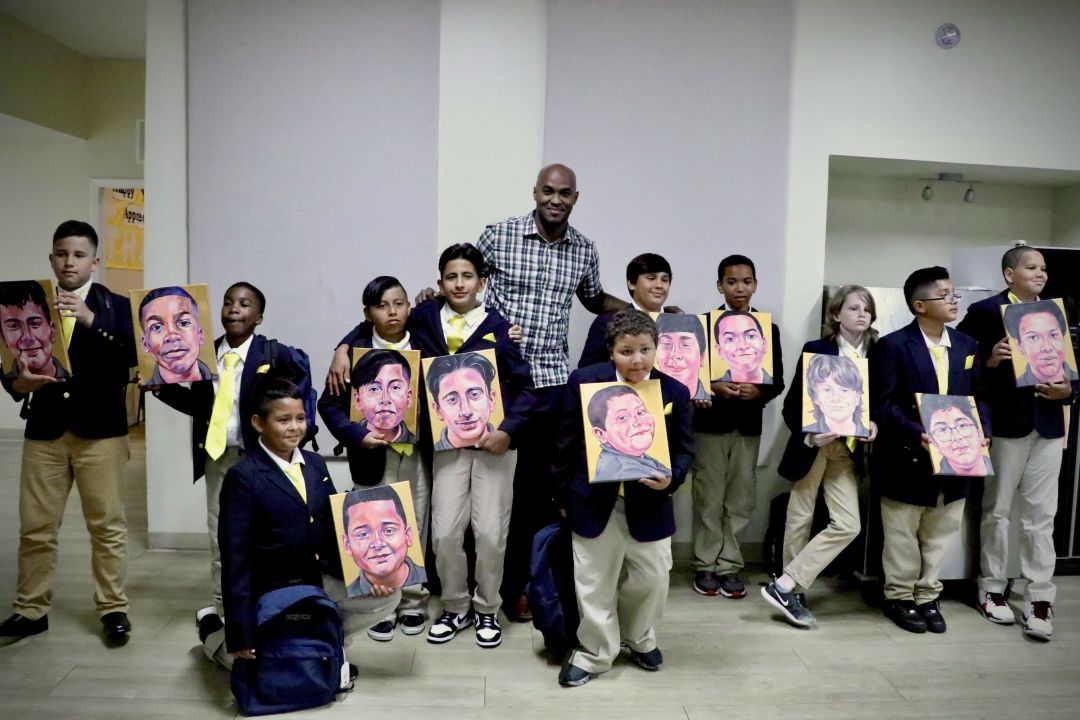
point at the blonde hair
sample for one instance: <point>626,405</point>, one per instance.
<point>830,330</point>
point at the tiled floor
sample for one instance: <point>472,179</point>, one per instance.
<point>724,658</point>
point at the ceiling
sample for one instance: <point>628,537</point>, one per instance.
<point>915,169</point>
<point>95,28</point>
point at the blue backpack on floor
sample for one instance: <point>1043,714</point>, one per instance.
<point>299,653</point>
<point>552,598</point>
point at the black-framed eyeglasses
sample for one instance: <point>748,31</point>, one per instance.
<point>944,433</point>
<point>949,297</point>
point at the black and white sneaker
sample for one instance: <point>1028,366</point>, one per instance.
<point>411,623</point>
<point>446,627</point>
<point>488,632</point>
<point>789,603</point>
<point>382,631</point>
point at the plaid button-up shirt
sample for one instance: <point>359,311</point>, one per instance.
<point>532,283</point>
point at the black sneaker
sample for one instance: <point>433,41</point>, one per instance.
<point>115,629</point>
<point>207,622</point>
<point>905,615</point>
<point>931,613</point>
<point>411,623</point>
<point>650,661</point>
<point>18,626</point>
<point>488,632</point>
<point>382,631</point>
<point>789,603</point>
<point>731,586</point>
<point>446,627</point>
<point>573,676</point>
<point>706,583</point>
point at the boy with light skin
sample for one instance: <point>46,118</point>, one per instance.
<point>680,351</point>
<point>76,434</point>
<point>1029,427</point>
<point>463,398</point>
<point>727,431</point>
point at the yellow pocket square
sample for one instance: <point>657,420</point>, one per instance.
<point>263,369</point>
<point>667,409</point>
<point>490,336</point>
<point>969,362</point>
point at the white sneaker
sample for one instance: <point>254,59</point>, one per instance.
<point>446,627</point>
<point>995,609</point>
<point>1037,617</point>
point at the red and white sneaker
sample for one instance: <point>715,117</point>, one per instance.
<point>994,608</point>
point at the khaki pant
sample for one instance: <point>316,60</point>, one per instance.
<point>49,468</point>
<point>214,645</point>
<point>833,471</point>
<point>916,539</point>
<point>622,587</point>
<point>1027,473</point>
<point>399,468</point>
<point>724,488</point>
<point>477,487</point>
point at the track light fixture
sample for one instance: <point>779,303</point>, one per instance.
<point>927,193</point>
<point>969,194</point>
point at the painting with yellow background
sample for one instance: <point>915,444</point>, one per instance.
<point>174,334</point>
<point>741,346</point>
<point>682,351</point>
<point>465,397</point>
<point>1042,350</point>
<point>836,395</point>
<point>957,443</point>
<point>378,539</point>
<point>385,393</point>
<point>625,433</point>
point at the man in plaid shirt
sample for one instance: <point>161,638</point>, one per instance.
<point>536,264</point>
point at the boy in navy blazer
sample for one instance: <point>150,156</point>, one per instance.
<point>920,512</point>
<point>76,432</point>
<point>621,532</point>
<point>277,526</point>
<point>1029,431</point>
<point>472,485</point>
<point>220,433</point>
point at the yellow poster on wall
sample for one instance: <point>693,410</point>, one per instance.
<point>121,230</point>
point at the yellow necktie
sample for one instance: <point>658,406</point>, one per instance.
<point>296,474</point>
<point>942,371</point>
<point>1013,299</point>
<point>402,449</point>
<point>456,339</point>
<point>216,434</point>
<point>67,322</point>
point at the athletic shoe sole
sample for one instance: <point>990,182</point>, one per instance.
<point>381,637</point>
<point>488,643</point>
<point>407,630</point>
<point>787,613</point>
<point>706,593</point>
<point>1035,634</point>
<point>733,595</point>
<point>437,640</point>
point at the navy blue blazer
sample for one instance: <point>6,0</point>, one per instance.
<point>743,416</point>
<point>902,367</point>
<point>649,513</point>
<point>92,404</point>
<point>270,538</point>
<point>1017,411</point>
<point>798,458</point>
<point>596,350</point>
<point>198,400</point>
<point>515,378</point>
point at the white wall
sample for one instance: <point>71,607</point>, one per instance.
<point>1065,227</point>
<point>878,227</point>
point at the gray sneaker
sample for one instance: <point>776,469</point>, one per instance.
<point>788,603</point>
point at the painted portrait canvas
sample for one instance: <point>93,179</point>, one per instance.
<point>174,334</point>
<point>836,395</point>
<point>956,435</point>
<point>378,539</point>
<point>1042,350</point>
<point>682,351</point>
<point>32,330</point>
<point>741,346</point>
<point>466,401</point>
<point>385,393</point>
<point>625,433</point>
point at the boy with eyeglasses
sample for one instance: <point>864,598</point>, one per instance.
<point>920,511</point>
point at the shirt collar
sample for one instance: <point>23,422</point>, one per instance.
<point>945,340</point>
<point>84,290</point>
<point>297,457</point>
<point>472,318</point>
<point>571,235</point>
<point>844,345</point>
<point>1016,301</point>
<point>242,351</point>
<point>380,343</point>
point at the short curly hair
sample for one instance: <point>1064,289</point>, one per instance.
<point>629,321</point>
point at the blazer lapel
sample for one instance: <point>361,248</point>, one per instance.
<point>487,325</point>
<point>318,485</point>
<point>256,357</point>
<point>275,477</point>
<point>957,365</point>
<point>920,356</point>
